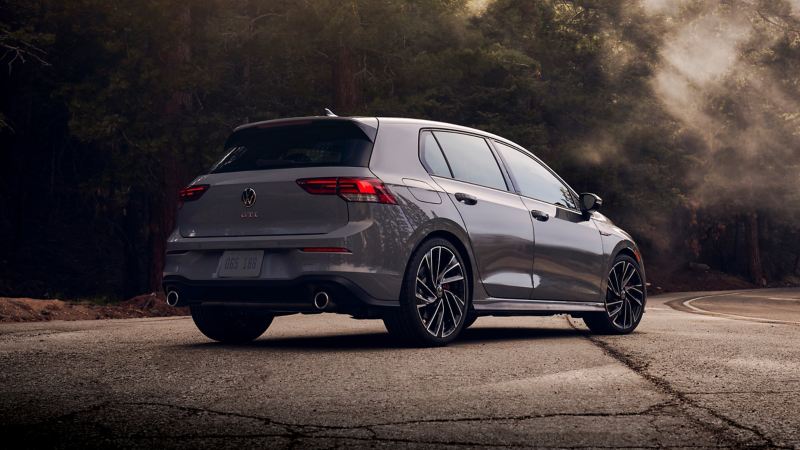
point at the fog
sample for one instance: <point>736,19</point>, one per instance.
<point>719,74</point>
<point>702,59</point>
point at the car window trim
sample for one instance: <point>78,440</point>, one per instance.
<point>546,167</point>
<point>503,191</point>
<point>510,184</point>
<point>505,165</point>
<point>492,151</point>
<point>424,164</point>
<point>441,150</point>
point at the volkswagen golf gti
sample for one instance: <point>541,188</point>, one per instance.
<point>422,224</point>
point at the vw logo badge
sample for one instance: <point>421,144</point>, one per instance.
<point>249,197</point>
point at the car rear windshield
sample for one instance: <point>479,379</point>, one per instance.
<point>309,144</point>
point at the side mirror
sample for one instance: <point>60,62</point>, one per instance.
<point>590,202</point>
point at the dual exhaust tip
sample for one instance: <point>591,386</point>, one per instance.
<point>321,299</point>
<point>173,297</point>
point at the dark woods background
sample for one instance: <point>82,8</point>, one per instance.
<point>683,115</point>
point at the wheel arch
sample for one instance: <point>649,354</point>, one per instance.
<point>628,251</point>
<point>627,248</point>
<point>460,245</point>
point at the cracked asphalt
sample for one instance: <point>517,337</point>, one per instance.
<point>718,371</point>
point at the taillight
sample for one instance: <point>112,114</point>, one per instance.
<point>371,190</point>
<point>319,186</point>
<point>191,193</point>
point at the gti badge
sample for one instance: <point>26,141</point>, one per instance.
<point>248,197</point>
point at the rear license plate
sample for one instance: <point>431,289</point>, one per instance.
<point>240,264</point>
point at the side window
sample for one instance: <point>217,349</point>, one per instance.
<point>533,179</point>
<point>471,159</point>
<point>431,156</point>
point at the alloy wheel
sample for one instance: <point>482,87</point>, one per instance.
<point>625,295</point>
<point>440,291</point>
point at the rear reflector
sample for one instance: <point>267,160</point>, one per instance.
<point>370,190</point>
<point>325,250</point>
<point>190,193</point>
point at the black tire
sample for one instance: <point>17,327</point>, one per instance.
<point>471,318</point>
<point>230,325</point>
<point>626,297</point>
<point>390,322</point>
<point>453,297</point>
<point>393,328</point>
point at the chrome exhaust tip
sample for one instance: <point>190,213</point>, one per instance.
<point>172,297</point>
<point>321,300</point>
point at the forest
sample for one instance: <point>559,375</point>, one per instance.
<point>684,115</point>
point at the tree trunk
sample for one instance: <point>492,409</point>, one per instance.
<point>734,265</point>
<point>796,270</point>
<point>164,204</point>
<point>252,12</point>
<point>133,234</point>
<point>753,249</point>
<point>163,208</point>
<point>345,85</point>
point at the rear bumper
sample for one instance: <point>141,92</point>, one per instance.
<point>375,237</point>
<point>289,267</point>
<point>288,296</point>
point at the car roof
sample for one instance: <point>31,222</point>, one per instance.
<point>449,126</point>
<point>422,123</point>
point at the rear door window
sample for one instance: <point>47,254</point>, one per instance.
<point>471,159</point>
<point>309,144</point>
<point>533,179</point>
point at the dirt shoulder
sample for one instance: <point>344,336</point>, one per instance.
<point>34,310</point>
<point>686,280</point>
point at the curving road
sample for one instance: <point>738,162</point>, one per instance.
<point>703,370</point>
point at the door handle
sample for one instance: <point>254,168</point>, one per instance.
<point>466,198</point>
<point>541,216</point>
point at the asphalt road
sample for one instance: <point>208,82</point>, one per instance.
<point>717,371</point>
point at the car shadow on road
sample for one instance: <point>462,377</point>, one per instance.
<point>377,341</point>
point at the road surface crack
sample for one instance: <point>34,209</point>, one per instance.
<point>683,399</point>
<point>652,410</point>
<point>768,392</point>
<point>306,430</point>
<point>296,432</point>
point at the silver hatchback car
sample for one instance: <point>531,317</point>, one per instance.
<point>425,225</point>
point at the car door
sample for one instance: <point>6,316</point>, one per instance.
<point>496,220</point>
<point>568,255</point>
